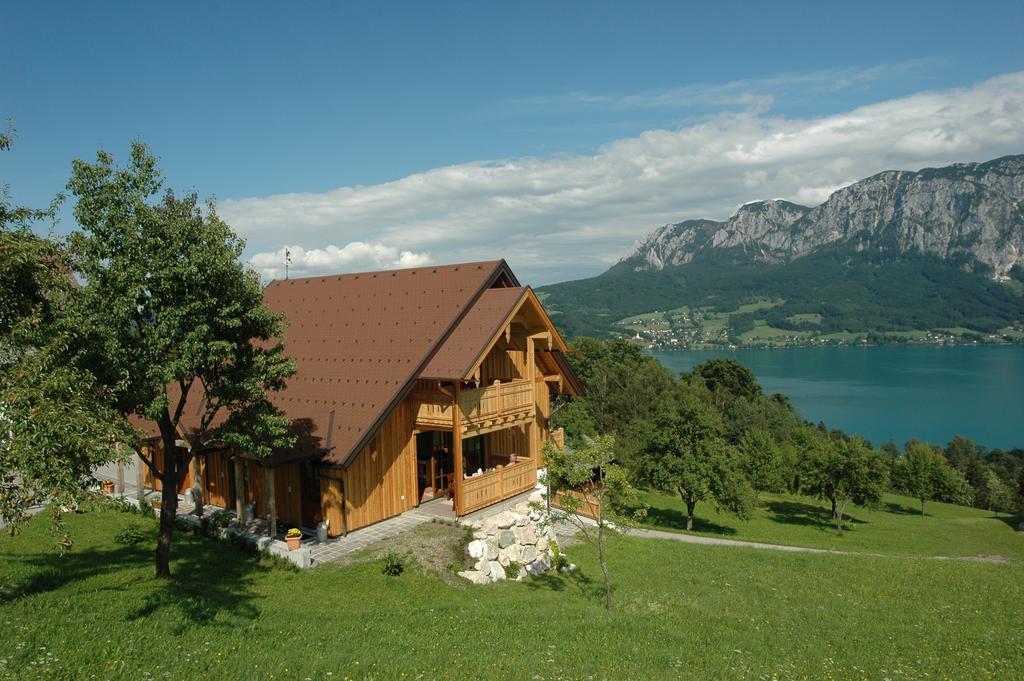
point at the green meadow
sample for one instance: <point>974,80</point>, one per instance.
<point>681,610</point>
<point>896,527</point>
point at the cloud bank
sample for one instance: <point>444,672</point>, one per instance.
<point>566,217</point>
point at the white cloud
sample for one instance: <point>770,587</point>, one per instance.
<point>570,216</point>
<point>354,257</point>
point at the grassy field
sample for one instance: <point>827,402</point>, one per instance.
<point>896,527</point>
<point>683,611</point>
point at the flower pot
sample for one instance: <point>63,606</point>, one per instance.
<point>107,486</point>
<point>294,543</point>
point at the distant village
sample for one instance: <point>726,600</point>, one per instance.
<point>685,330</point>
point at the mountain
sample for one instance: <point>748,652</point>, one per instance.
<point>964,212</point>
<point>897,252</point>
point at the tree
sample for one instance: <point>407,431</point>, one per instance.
<point>960,451</point>
<point>843,470</point>
<point>623,384</point>
<point>922,471</point>
<point>590,472</point>
<point>763,461</point>
<point>686,455</point>
<point>1020,494</point>
<point>727,376</point>
<point>56,421</point>
<point>182,320</point>
<point>998,495</point>
<point>975,473</point>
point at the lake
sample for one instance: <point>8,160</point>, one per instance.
<point>893,392</point>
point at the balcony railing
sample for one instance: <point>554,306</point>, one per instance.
<point>497,484</point>
<point>499,402</point>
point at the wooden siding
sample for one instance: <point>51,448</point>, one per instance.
<point>500,444</point>
<point>218,475</point>
<point>589,505</point>
<point>381,482</point>
<point>288,494</point>
<point>502,363</point>
<point>330,500</point>
<point>152,482</point>
<point>255,486</point>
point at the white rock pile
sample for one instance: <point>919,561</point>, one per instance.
<point>516,535</point>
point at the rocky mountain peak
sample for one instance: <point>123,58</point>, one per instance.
<point>971,212</point>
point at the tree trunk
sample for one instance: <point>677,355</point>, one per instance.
<point>839,520</point>
<point>604,567</point>
<point>832,498</point>
<point>690,505</point>
<point>168,511</point>
<point>174,466</point>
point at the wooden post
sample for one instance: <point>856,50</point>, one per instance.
<point>197,485</point>
<point>531,371</point>
<point>457,448</point>
<point>271,503</point>
<point>239,491</point>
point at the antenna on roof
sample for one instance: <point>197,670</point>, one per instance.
<point>287,261</point>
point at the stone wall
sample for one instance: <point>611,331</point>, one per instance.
<point>517,535</point>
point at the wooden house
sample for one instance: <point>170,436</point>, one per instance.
<point>411,385</point>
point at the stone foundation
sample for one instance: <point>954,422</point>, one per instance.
<point>516,535</point>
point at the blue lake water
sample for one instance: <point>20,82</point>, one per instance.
<point>893,392</point>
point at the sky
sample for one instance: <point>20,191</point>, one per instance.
<point>552,134</point>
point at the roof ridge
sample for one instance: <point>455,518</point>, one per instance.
<point>336,275</point>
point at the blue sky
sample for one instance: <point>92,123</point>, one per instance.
<point>553,134</point>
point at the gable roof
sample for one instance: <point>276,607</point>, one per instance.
<point>488,316</point>
<point>360,340</point>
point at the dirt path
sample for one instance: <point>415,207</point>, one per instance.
<point>718,541</point>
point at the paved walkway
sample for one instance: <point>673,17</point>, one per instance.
<point>437,509</point>
<point>339,547</point>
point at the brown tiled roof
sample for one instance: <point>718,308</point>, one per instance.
<point>488,315</point>
<point>359,341</point>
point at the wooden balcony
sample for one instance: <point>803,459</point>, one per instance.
<point>492,486</point>
<point>494,407</point>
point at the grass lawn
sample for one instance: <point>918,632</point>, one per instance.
<point>896,527</point>
<point>683,611</point>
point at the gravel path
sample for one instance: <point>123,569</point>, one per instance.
<point>718,541</point>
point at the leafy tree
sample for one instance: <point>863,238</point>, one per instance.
<point>56,421</point>
<point>623,384</point>
<point>1020,494</point>
<point>686,455</point>
<point>975,473</point>
<point>998,495</point>
<point>727,377</point>
<point>575,475</point>
<point>843,470</point>
<point>764,461</point>
<point>183,321</point>
<point>923,471</point>
<point>960,451</point>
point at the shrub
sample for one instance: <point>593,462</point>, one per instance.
<point>132,534</point>
<point>513,569</point>
<point>394,564</point>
